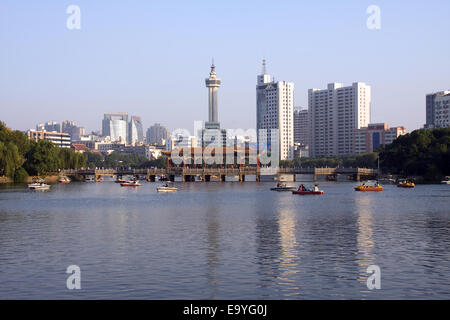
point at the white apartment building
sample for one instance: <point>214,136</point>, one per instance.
<point>334,114</point>
<point>442,111</point>
<point>275,110</point>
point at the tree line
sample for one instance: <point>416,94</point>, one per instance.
<point>424,152</point>
<point>21,157</point>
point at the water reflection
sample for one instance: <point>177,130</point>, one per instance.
<point>365,256</point>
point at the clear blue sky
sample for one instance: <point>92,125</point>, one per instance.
<point>150,58</point>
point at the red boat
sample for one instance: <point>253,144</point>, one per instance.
<point>304,193</point>
<point>131,184</point>
<point>64,180</point>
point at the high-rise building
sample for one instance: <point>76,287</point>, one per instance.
<point>71,128</point>
<point>136,130</point>
<point>53,126</point>
<point>301,126</point>
<point>115,126</point>
<point>442,110</point>
<point>334,114</point>
<point>275,110</point>
<point>431,115</point>
<point>368,139</point>
<point>157,134</point>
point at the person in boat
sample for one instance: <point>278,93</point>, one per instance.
<point>301,188</point>
<point>316,188</point>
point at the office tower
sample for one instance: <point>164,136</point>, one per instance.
<point>437,110</point>
<point>334,114</point>
<point>369,139</point>
<point>115,126</point>
<point>212,135</point>
<point>49,126</point>
<point>301,126</point>
<point>157,134</point>
<point>136,130</point>
<point>71,128</point>
<point>275,110</point>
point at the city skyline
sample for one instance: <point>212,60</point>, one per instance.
<point>46,75</point>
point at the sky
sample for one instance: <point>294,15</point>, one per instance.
<point>151,58</point>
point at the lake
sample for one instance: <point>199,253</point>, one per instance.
<point>224,241</point>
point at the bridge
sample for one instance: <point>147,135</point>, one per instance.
<point>189,174</point>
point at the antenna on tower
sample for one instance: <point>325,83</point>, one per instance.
<point>264,66</point>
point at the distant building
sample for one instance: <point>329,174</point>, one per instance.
<point>71,128</point>
<point>60,139</point>
<point>368,139</point>
<point>275,110</point>
<point>442,111</point>
<point>49,126</point>
<point>335,113</point>
<point>115,126</point>
<point>431,115</point>
<point>157,134</point>
<point>301,126</point>
<point>80,148</point>
<point>136,130</point>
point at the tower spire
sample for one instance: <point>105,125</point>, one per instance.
<point>264,66</point>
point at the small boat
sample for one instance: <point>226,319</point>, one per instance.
<point>446,180</point>
<point>166,188</point>
<point>406,184</point>
<point>89,179</point>
<point>365,187</point>
<point>305,191</point>
<point>39,186</point>
<point>132,183</point>
<point>283,187</point>
<point>120,181</point>
<point>64,180</point>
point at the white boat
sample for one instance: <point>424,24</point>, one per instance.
<point>166,188</point>
<point>446,180</point>
<point>39,186</point>
<point>89,180</point>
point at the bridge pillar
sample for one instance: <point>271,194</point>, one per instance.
<point>315,177</point>
<point>151,178</point>
<point>258,177</point>
<point>172,177</point>
<point>206,177</point>
<point>222,178</point>
<point>242,178</point>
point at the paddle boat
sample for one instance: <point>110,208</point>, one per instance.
<point>283,187</point>
<point>166,188</point>
<point>406,184</point>
<point>64,180</point>
<point>39,186</point>
<point>364,187</point>
<point>132,183</point>
<point>446,180</point>
<point>305,191</point>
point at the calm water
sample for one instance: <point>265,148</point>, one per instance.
<point>224,241</point>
